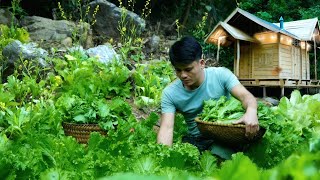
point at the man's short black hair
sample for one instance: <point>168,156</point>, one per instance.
<point>185,51</point>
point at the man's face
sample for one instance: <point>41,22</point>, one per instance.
<point>191,75</point>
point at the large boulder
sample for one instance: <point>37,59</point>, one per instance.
<point>49,31</point>
<point>109,16</point>
<point>46,29</point>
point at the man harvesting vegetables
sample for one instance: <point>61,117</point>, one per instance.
<point>195,85</point>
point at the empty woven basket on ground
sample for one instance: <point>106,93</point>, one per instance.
<point>228,134</point>
<point>81,131</point>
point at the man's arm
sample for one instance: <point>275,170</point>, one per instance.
<point>249,102</point>
<point>165,134</point>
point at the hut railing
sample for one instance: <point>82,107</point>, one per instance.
<point>279,82</point>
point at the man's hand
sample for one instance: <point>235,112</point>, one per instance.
<point>250,119</point>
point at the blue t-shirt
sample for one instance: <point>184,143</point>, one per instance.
<point>218,81</point>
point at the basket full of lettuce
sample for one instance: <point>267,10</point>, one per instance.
<point>91,97</point>
<point>216,122</point>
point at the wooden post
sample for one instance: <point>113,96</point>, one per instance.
<point>305,58</point>
<point>279,54</point>
<point>251,61</point>
<point>315,58</point>
<point>300,78</point>
<point>282,91</point>
<point>264,91</point>
<point>219,39</point>
<point>238,57</point>
<point>235,59</point>
<point>282,82</point>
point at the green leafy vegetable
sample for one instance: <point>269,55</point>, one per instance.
<point>222,109</point>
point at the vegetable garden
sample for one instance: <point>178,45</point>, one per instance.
<point>35,101</point>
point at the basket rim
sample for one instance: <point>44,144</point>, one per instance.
<point>74,123</point>
<point>198,120</point>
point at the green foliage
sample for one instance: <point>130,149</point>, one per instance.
<point>142,7</point>
<point>81,88</point>
<point>239,167</point>
<point>34,128</point>
<point>292,124</point>
<point>180,128</point>
<point>86,85</point>
<point>226,110</point>
<point>78,11</point>
<point>130,36</point>
<point>199,32</point>
<point>16,10</point>
<point>265,16</point>
<point>222,109</point>
<point>274,9</point>
<point>22,104</point>
<point>312,12</point>
<point>93,110</point>
<point>91,77</point>
<point>208,163</point>
<point>9,34</point>
<point>149,81</point>
<point>131,49</point>
<point>299,166</point>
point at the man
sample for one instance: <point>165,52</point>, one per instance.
<point>195,85</point>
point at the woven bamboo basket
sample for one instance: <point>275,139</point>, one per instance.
<point>228,134</point>
<point>81,131</point>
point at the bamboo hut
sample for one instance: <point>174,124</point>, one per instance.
<point>267,53</point>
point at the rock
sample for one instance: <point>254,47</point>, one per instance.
<point>6,17</point>
<point>16,50</point>
<point>67,42</point>
<point>105,53</point>
<point>272,101</point>
<point>47,29</point>
<point>109,16</point>
<point>152,44</point>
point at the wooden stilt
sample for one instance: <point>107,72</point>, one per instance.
<point>264,92</point>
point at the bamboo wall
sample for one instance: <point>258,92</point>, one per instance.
<point>265,58</point>
<point>290,61</point>
<point>287,61</point>
<point>245,62</point>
